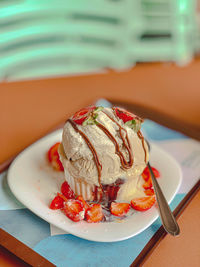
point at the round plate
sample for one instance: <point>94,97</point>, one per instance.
<point>34,183</point>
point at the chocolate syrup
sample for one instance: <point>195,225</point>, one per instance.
<point>142,138</point>
<point>138,133</point>
<point>125,164</point>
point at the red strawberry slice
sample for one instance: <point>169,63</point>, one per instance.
<point>74,210</point>
<point>143,203</point>
<point>67,191</point>
<point>156,172</point>
<point>148,184</point>
<point>94,213</point>
<point>147,177</point>
<point>119,209</point>
<point>146,173</point>
<point>53,157</point>
<point>149,192</point>
<point>85,204</point>
<point>57,203</point>
<point>125,115</point>
<point>81,115</point>
<point>63,197</point>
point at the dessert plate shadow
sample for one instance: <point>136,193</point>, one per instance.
<point>34,183</point>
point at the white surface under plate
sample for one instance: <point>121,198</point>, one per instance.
<point>35,184</point>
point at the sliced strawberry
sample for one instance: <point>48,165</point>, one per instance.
<point>146,173</point>
<point>156,172</point>
<point>57,203</point>
<point>148,184</point>
<point>94,213</point>
<point>81,115</point>
<point>74,210</point>
<point>63,197</point>
<point>143,203</point>
<point>149,192</point>
<point>125,115</point>
<point>67,191</point>
<point>85,204</point>
<point>147,177</point>
<point>53,157</point>
<point>119,209</point>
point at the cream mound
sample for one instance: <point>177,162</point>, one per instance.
<point>79,163</point>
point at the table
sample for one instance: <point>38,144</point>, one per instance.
<point>162,92</point>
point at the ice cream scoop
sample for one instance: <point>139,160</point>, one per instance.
<point>100,147</point>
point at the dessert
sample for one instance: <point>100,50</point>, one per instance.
<point>104,154</point>
<point>104,157</point>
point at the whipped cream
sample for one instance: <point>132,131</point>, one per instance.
<point>78,160</point>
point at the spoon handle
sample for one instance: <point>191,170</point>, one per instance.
<point>167,217</point>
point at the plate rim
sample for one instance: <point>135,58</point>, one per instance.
<point>71,231</point>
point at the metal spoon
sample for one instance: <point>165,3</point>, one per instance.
<point>168,220</point>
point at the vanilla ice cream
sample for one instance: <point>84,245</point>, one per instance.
<point>102,150</point>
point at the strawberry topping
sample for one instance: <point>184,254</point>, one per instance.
<point>147,177</point>
<point>146,173</point>
<point>125,115</point>
<point>81,115</point>
<point>63,197</point>
<point>94,213</point>
<point>148,184</point>
<point>67,191</point>
<point>57,203</point>
<point>149,192</point>
<point>143,203</point>
<point>85,204</point>
<point>74,210</point>
<point>119,209</point>
<point>53,157</point>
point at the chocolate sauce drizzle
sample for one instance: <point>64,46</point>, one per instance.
<point>142,138</point>
<point>96,159</point>
<point>125,164</point>
<point>138,133</point>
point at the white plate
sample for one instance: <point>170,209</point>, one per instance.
<point>34,183</point>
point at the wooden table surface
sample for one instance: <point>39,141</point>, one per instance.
<point>163,92</point>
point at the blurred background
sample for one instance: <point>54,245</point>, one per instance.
<point>51,38</point>
<point>57,56</point>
